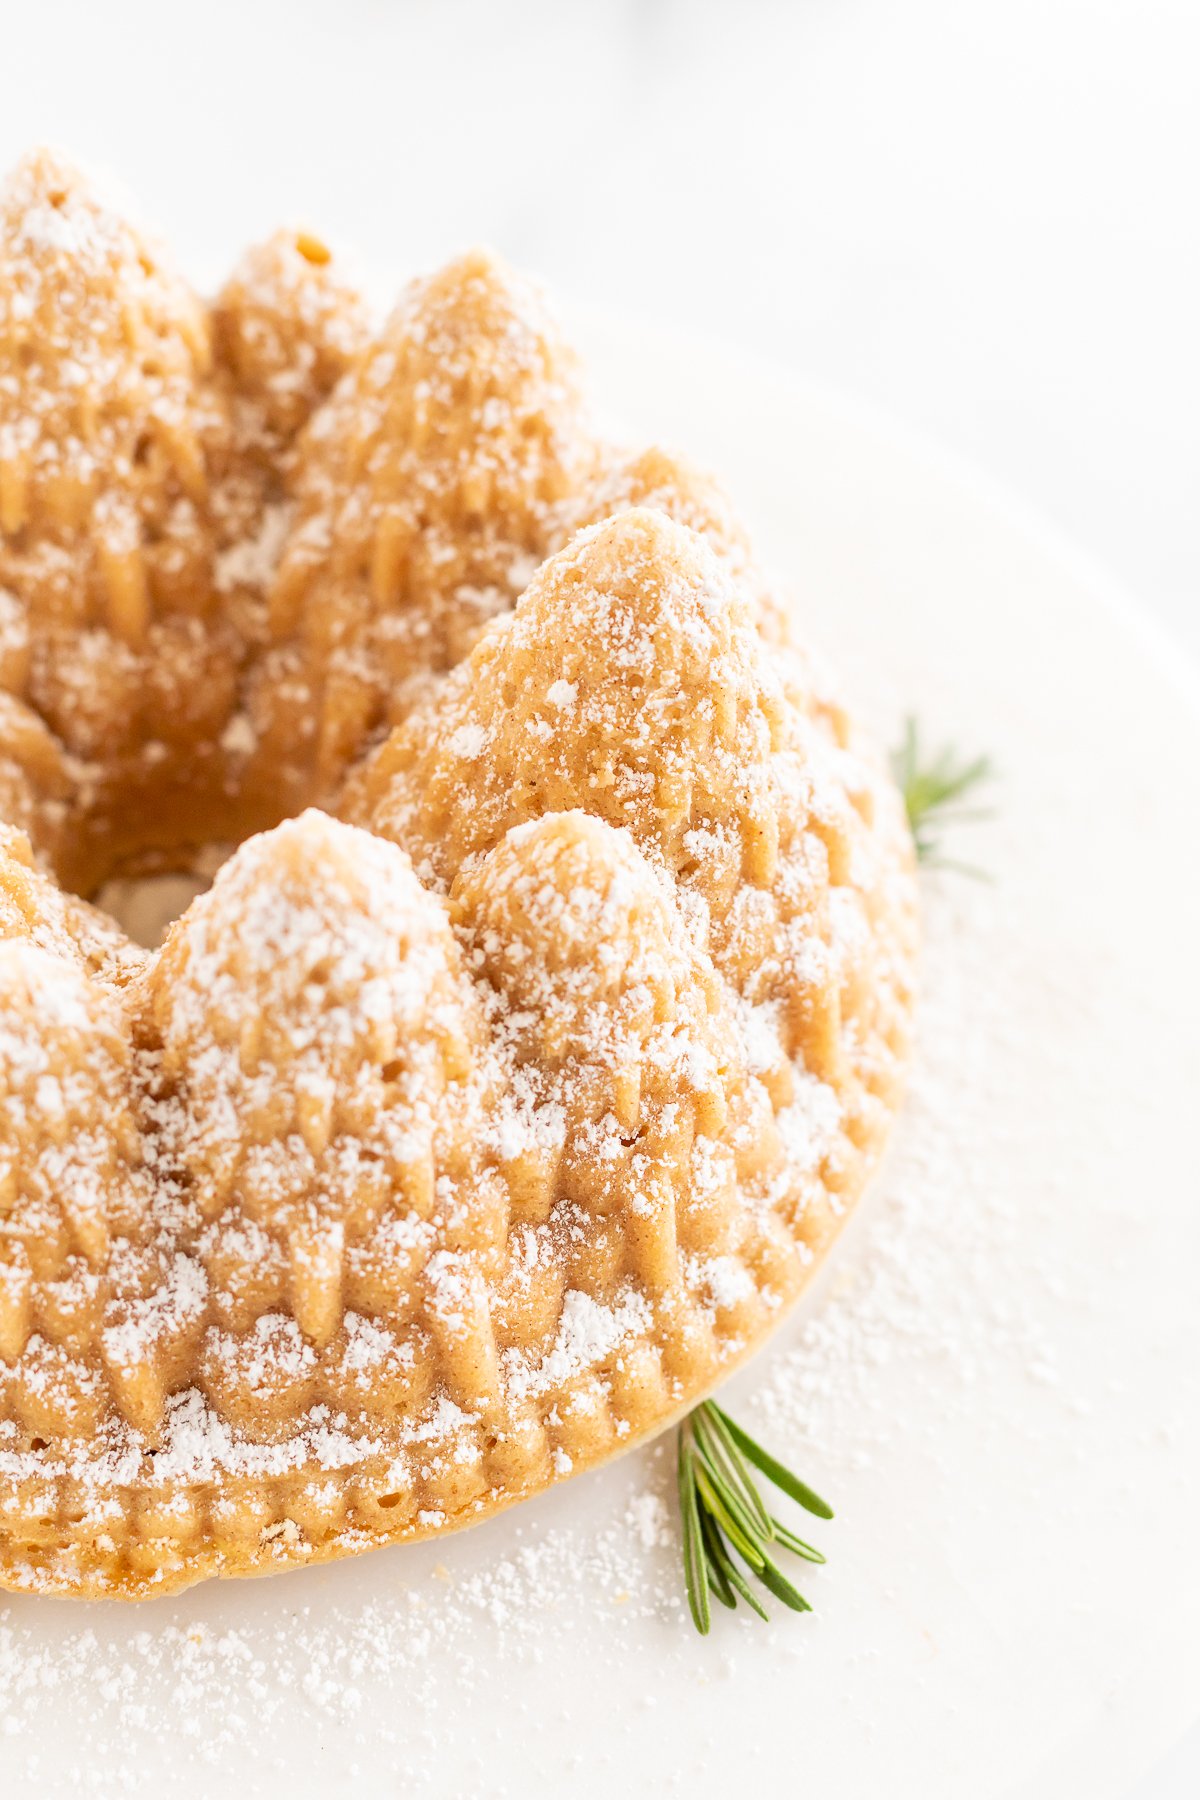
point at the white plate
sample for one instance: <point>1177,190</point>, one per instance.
<point>997,1377</point>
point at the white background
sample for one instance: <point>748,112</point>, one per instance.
<point>979,214</point>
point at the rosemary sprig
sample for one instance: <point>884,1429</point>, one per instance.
<point>933,787</point>
<point>724,1515</point>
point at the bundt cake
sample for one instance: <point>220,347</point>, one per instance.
<point>551,1003</point>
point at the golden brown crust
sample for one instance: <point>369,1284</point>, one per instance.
<point>451,1145</point>
<point>109,425</point>
<point>144,447</point>
<point>424,499</point>
<point>286,328</point>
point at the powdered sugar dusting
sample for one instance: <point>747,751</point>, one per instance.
<point>386,1664</point>
<point>446,1145</point>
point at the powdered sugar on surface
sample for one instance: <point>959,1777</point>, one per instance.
<point>382,1656</point>
<point>949,1382</point>
<point>958,1382</point>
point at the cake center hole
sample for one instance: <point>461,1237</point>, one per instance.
<point>145,905</point>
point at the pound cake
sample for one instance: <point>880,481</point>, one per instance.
<point>550,1002</point>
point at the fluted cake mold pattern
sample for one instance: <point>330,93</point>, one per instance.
<point>523,1057</point>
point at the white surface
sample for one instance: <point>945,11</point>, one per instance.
<point>1001,1367</point>
<point>978,212</point>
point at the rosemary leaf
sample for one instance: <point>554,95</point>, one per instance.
<point>736,1490</point>
<point>716,1444</point>
<point>718,1563</point>
<point>932,786</point>
<point>715,1504</point>
<point>695,1566</point>
<point>781,1587</point>
<point>774,1470</point>
<point>796,1545</point>
<point>736,1580</point>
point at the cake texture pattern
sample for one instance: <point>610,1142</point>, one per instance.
<point>550,1003</point>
